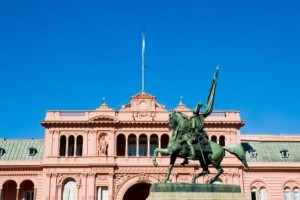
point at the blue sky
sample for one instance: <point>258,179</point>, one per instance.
<point>68,55</point>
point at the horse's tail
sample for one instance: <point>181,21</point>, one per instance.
<point>238,151</point>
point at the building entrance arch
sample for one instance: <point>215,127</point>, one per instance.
<point>139,191</point>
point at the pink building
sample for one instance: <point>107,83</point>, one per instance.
<point>105,154</point>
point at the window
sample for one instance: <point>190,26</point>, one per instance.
<point>260,194</point>
<point>79,142</point>
<point>143,145</point>
<point>285,153</point>
<point>121,141</point>
<point>27,195</point>
<point>153,144</point>
<point>296,194</point>
<point>62,145</point>
<point>214,138</point>
<point>263,193</point>
<point>2,151</point>
<point>69,190</point>
<point>164,143</point>
<point>71,146</point>
<point>254,194</point>
<point>132,145</point>
<point>32,151</point>
<point>222,140</point>
<point>253,153</point>
<point>287,194</point>
<point>102,193</point>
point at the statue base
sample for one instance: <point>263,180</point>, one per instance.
<point>187,191</point>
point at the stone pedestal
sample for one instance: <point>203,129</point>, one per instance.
<point>186,191</point>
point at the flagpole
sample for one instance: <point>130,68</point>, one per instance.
<point>143,61</point>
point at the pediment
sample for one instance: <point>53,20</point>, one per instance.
<point>143,102</point>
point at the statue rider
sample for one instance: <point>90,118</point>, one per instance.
<point>199,135</point>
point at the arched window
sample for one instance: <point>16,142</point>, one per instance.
<point>254,194</point>
<point>153,143</point>
<point>287,193</point>
<point>263,193</point>
<point>296,194</point>
<point>79,143</point>
<point>121,141</point>
<point>222,140</point>
<point>164,142</point>
<point>26,190</point>
<point>62,145</point>
<point>132,145</point>
<point>143,145</point>
<point>214,139</point>
<point>69,190</point>
<point>71,146</point>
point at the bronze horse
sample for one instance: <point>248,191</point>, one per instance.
<point>179,122</point>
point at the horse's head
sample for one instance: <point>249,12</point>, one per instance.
<point>173,120</point>
<point>178,119</point>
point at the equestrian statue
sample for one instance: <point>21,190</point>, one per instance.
<point>190,141</point>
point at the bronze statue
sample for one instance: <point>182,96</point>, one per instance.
<point>190,141</point>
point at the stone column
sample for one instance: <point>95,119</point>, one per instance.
<point>91,186</point>
<point>75,146</point>
<point>84,190</point>
<point>148,146</point>
<point>34,194</point>
<point>78,187</point>
<point>67,145</point>
<point>111,187</point>
<point>17,195</point>
<point>137,144</point>
<point>51,146</point>
<point>0,193</point>
<point>53,189</point>
<point>159,144</point>
<point>59,191</point>
<point>46,186</point>
<point>126,146</point>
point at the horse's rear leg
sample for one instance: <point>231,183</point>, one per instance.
<point>195,176</point>
<point>204,172</point>
<point>220,171</point>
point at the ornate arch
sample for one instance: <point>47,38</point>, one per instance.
<point>61,178</point>
<point>290,184</point>
<point>258,183</point>
<point>141,178</point>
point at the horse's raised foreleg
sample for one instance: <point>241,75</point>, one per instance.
<point>158,150</point>
<point>170,168</point>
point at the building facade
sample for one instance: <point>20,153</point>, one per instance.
<point>105,154</point>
